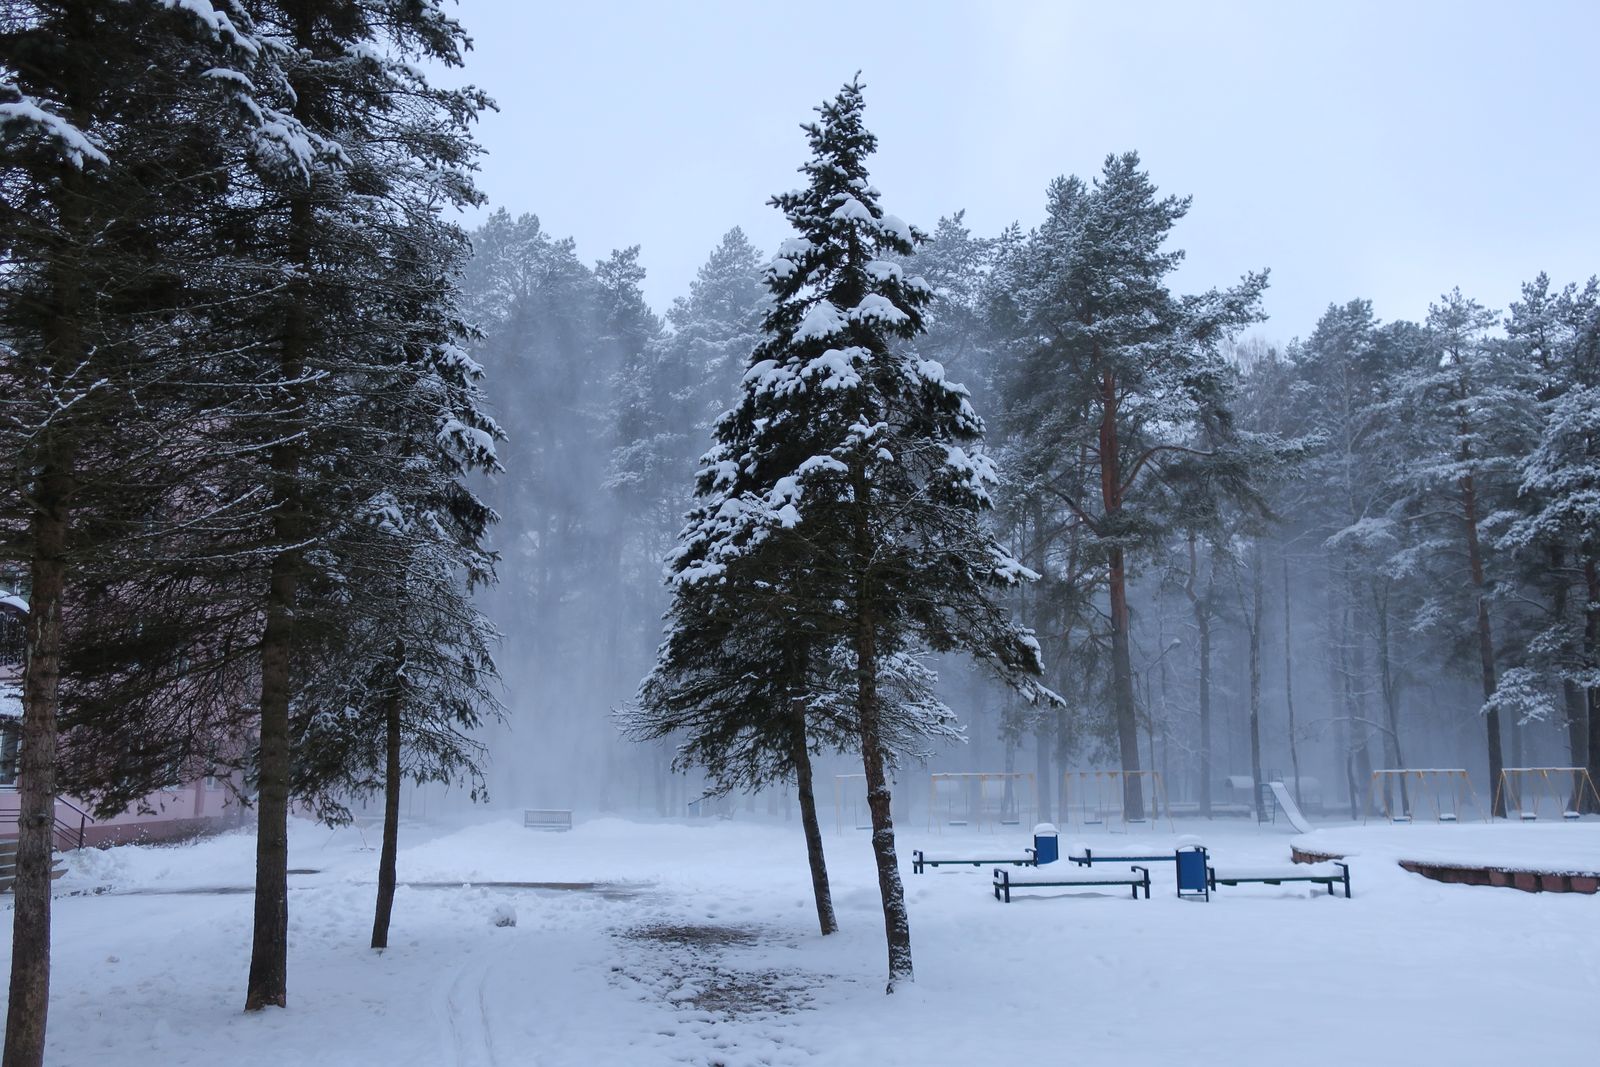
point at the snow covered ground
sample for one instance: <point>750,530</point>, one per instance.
<point>698,945</point>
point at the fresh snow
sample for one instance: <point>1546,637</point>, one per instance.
<point>875,307</point>
<point>697,944</point>
<point>821,320</point>
<point>74,143</point>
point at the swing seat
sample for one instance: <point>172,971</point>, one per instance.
<point>1570,816</point>
<point>1529,816</point>
<point>957,822</point>
<point>1401,818</point>
<point>1448,816</point>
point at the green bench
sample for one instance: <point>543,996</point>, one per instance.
<point>1054,876</point>
<point>921,859</point>
<point>1330,874</point>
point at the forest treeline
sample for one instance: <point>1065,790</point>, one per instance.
<point>1368,547</point>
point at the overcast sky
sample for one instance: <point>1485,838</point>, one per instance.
<point>1385,150</point>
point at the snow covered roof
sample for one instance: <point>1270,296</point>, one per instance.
<point>10,601</point>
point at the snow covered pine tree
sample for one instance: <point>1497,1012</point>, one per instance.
<point>840,507</point>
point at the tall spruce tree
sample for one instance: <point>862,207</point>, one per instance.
<point>841,502</point>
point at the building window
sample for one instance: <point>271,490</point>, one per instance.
<point>10,735</point>
<point>13,634</point>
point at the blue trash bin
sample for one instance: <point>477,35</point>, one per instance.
<point>1191,864</point>
<point>1046,843</point>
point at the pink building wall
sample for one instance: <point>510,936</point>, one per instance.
<point>191,809</point>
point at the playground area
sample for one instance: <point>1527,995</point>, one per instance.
<point>652,942</point>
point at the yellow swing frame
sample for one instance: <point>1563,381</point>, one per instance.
<point>1461,788</point>
<point>1568,803</point>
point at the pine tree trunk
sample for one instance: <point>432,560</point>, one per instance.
<point>388,855</point>
<point>1122,702</point>
<point>1359,687</point>
<point>1391,698</point>
<point>269,951</point>
<point>1347,701</point>
<point>1571,696</point>
<point>1591,644</point>
<point>896,920</point>
<point>804,786</point>
<point>1255,681</point>
<point>1469,510</point>
<point>1202,622</point>
<point>1045,724</point>
<point>1288,683</point>
<point>29,1002</point>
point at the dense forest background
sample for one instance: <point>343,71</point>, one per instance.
<point>1309,608</point>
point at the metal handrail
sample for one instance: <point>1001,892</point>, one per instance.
<point>74,807</point>
<point>62,832</point>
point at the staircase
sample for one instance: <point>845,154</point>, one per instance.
<point>8,865</point>
<point>67,832</point>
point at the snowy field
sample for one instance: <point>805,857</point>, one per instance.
<point>698,945</point>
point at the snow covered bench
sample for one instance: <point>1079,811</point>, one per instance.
<point>1329,874</point>
<point>1041,877</point>
<point>547,819</point>
<point>920,859</point>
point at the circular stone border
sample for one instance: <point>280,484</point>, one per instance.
<point>1529,881</point>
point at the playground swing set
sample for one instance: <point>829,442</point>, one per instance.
<point>1566,788</point>
<point>984,799</point>
<point>1099,797</point>
<point>1447,789</point>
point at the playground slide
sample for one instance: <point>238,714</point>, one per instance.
<point>1291,810</point>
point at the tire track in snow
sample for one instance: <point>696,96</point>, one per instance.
<point>466,1011</point>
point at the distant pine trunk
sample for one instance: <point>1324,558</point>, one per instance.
<point>1469,515</point>
<point>1202,621</point>
<point>1391,698</point>
<point>1257,598</point>
<point>1288,682</point>
<point>1043,783</point>
<point>391,822</point>
<point>1591,644</point>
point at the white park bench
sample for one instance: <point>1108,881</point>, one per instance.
<point>547,819</point>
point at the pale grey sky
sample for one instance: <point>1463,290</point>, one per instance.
<point>1386,150</point>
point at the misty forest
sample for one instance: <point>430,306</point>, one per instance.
<point>355,531</point>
